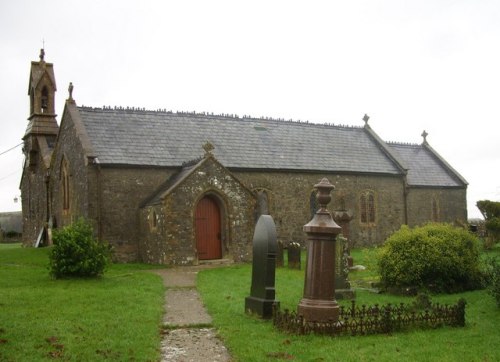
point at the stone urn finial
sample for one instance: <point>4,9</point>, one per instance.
<point>323,193</point>
<point>322,221</point>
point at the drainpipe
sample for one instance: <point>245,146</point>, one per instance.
<point>406,190</point>
<point>99,199</point>
<point>47,208</point>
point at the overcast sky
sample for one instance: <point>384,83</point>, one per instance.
<point>410,65</point>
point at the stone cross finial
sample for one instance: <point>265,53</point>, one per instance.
<point>208,147</point>
<point>424,135</point>
<point>366,118</point>
<point>70,90</point>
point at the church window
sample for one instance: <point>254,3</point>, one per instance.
<point>435,210</point>
<point>65,186</point>
<point>263,202</point>
<point>367,207</point>
<point>153,220</point>
<point>262,205</point>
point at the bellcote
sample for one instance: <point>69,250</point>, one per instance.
<point>41,90</point>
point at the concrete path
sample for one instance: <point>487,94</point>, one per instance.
<point>188,334</point>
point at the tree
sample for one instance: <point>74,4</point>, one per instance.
<point>491,213</point>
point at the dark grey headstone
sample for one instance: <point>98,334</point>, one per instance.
<point>262,295</point>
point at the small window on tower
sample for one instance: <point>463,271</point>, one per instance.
<point>45,99</point>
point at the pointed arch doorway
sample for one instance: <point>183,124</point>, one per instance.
<point>208,229</point>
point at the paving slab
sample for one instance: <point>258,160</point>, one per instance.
<point>183,307</point>
<point>186,341</point>
<point>193,345</point>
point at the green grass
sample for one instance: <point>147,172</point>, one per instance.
<point>251,339</point>
<point>116,317</point>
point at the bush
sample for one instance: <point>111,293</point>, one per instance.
<point>76,253</point>
<point>491,213</point>
<point>434,257</point>
<point>493,279</point>
<point>12,234</point>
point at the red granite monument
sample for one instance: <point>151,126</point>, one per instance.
<point>318,303</point>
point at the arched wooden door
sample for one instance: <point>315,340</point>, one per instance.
<point>208,229</point>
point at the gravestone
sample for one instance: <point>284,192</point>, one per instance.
<point>342,286</point>
<point>279,254</point>
<point>262,293</point>
<point>318,303</point>
<point>343,218</point>
<point>294,252</point>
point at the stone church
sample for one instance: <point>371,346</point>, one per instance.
<point>177,188</point>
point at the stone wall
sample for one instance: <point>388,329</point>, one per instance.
<point>449,205</point>
<point>121,191</point>
<point>11,222</point>
<point>33,193</point>
<point>69,151</point>
<point>173,239</point>
<point>289,196</point>
<point>108,196</point>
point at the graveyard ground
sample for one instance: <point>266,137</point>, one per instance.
<point>252,339</point>
<point>118,317</point>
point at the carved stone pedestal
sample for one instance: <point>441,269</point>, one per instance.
<point>318,303</point>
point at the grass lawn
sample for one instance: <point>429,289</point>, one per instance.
<point>116,317</point>
<point>251,339</point>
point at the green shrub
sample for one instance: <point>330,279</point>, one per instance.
<point>491,213</point>
<point>434,257</point>
<point>76,253</point>
<point>12,234</point>
<point>493,279</point>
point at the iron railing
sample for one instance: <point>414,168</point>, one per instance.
<point>375,319</point>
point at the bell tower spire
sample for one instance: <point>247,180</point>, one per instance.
<point>41,90</point>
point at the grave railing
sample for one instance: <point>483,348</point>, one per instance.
<point>365,320</point>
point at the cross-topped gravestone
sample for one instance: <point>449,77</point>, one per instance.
<point>262,294</point>
<point>342,286</point>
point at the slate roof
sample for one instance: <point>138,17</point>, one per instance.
<point>426,167</point>
<point>150,138</point>
<point>172,183</point>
